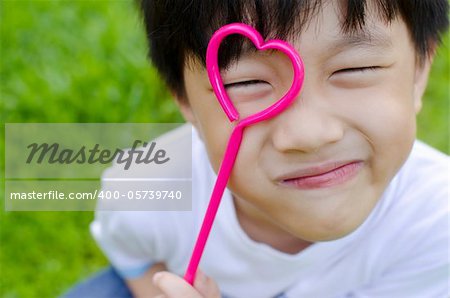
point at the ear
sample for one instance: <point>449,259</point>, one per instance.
<point>185,108</point>
<point>421,79</point>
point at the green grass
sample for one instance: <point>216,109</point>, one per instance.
<point>68,61</point>
<point>433,120</point>
<point>85,61</point>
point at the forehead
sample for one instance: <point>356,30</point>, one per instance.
<point>324,33</point>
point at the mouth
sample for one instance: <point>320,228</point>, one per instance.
<point>322,176</point>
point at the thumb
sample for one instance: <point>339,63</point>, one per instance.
<point>206,286</point>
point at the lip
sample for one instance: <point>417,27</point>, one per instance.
<point>322,176</point>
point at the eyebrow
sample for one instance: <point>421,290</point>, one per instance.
<point>248,49</point>
<point>360,39</point>
<point>374,40</point>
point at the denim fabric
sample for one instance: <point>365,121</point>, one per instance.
<point>105,284</point>
<point>108,284</point>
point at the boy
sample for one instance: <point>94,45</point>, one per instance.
<point>333,197</point>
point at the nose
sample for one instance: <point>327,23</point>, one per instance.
<point>308,125</point>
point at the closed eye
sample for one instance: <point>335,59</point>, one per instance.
<point>357,77</point>
<point>244,83</point>
<point>357,69</point>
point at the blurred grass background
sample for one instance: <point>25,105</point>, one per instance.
<point>85,61</point>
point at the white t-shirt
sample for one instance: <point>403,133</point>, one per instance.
<point>401,250</point>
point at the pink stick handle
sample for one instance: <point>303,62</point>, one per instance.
<point>216,196</point>
<point>232,149</point>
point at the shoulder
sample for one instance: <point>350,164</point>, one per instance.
<point>152,229</point>
<point>425,160</point>
<point>421,188</point>
<point>409,231</point>
<point>413,213</point>
<point>416,219</point>
<point>424,178</point>
<point>418,194</point>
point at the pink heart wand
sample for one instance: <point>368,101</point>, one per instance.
<point>234,142</point>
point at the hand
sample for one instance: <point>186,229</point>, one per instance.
<point>174,286</point>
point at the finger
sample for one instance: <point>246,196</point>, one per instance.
<point>174,286</point>
<point>206,285</point>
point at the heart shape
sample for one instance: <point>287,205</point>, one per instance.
<point>234,142</point>
<point>215,78</point>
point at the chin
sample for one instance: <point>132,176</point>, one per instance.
<point>335,235</point>
<point>329,229</point>
<point>323,236</point>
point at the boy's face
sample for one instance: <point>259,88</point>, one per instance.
<point>318,169</point>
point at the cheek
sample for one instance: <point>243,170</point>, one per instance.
<point>387,120</point>
<point>387,110</point>
<point>393,120</point>
<point>209,119</point>
<point>213,126</point>
<point>248,178</point>
<point>215,137</point>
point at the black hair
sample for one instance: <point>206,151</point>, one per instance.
<point>180,29</point>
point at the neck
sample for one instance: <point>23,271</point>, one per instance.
<point>261,229</point>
